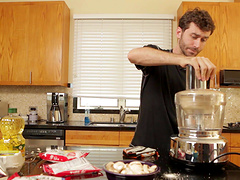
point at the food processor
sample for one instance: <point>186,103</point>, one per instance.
<point>200,116</point>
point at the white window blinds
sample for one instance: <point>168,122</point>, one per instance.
<point>100,64</point>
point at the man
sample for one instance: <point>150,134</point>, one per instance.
<point>164,75</point>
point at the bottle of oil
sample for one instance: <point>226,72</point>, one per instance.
<point>12,127</point>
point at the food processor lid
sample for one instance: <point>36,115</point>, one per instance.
<point>196,90</point>
<point>201,95</point>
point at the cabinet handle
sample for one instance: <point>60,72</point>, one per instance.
<point>30,81</point>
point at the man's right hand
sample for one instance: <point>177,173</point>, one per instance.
<point>204,68</point>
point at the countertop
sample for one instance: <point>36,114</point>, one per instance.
<point>98,156</point>
<point>73,125</point>
<point>79,125</point>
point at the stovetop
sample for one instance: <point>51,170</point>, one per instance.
<point>235,125</point>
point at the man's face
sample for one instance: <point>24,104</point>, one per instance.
<point>192,40</point>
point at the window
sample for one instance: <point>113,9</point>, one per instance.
<point>102,75</point>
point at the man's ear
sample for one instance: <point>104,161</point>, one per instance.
<point>179,32</point>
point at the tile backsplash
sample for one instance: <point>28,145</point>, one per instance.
<point>21,97</point>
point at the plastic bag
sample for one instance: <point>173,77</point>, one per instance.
<point>73,167</point>
<point>57,155</point>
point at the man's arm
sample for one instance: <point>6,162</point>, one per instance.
<point>147,56</point>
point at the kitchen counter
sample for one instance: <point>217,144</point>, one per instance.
<point>169,169</point>
<point>74,125</point>
<point>79,125</point>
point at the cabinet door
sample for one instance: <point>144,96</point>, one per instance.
<point>234,146</point>
<point>230,36</point>
<point>235,140</point>
<point>212,47</point>
<point>47,58</point>
<point>125,138</point>
<point>92,138</point>
<point>14,44</point>
<point>235,158</point>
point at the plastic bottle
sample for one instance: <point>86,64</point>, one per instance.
<point>87,114</point>
<point>12,127</point>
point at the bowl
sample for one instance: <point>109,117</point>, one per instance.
<point>117,176</point>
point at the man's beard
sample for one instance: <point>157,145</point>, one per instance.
<point>184,49</point>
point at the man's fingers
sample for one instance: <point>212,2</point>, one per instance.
<point>204,68</point>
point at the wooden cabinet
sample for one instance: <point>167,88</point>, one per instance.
<point>229,36</point>
<point>125,138</point>
<point>233,146</point>
<point>221,48</point>
<point>98,138</point>
<point>14,43</point>
<point>34,43</point>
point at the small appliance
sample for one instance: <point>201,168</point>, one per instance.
<point>33,115</point>
<point>57,107</point>
<point>230,77</point>
<point>200,116</point>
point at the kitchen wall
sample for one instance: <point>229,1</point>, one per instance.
<point>24,96</point>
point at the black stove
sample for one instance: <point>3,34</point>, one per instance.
<point>235,125</point>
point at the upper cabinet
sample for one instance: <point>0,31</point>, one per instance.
<point>34,43</point>
<point>221,48</point>
<point>229,36</point>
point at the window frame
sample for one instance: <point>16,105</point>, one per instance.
<point>76,107</point>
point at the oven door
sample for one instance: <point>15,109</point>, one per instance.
<point>42,138</point>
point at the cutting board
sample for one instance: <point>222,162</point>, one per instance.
<point>3,109</point>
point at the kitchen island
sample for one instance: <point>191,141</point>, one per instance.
<point>170,169</point>
<point>76,133</point>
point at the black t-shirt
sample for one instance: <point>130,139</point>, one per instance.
<point>157,113</point>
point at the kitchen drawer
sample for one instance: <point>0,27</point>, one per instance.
<point>125,138</point>
<point>235,140</point>
<point>78,138</point>
<point>234,158</point>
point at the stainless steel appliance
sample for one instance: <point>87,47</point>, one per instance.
<point>43,137</point>
<point>200,116</point>
<point>57,107</point>
<point>230,77</point>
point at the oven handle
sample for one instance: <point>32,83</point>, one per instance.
<point>43,137</point>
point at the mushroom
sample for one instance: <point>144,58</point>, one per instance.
<point>134,167</point>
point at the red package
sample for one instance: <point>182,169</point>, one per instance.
<point>62,155</point>
<point>85,176</point>
<point>35,177</point>
<point>69,168</point>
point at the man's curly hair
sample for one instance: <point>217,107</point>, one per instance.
<point>199,17</point>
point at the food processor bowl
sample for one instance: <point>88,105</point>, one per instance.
<point>200,112</point>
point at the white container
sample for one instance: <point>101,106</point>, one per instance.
<point>12,161</point>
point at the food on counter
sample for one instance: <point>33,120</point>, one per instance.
<point>133,168</point>
<point>58,155</point>
<point>73,167</point>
